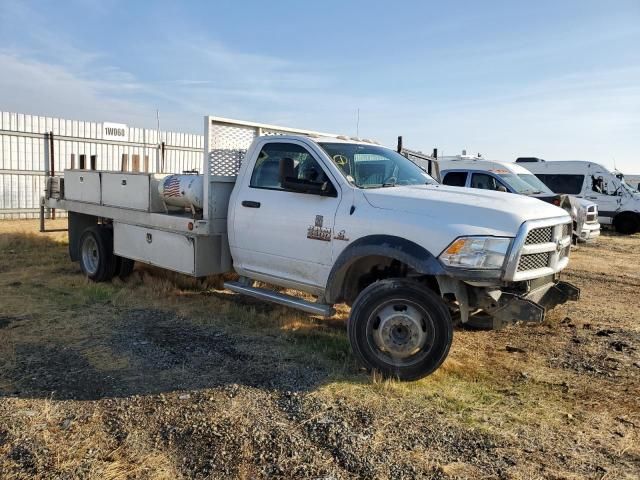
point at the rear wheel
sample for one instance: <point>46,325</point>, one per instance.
<point>400,328</point>
<point>97,260</point>
<point>627,223</point>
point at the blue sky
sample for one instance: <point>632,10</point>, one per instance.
<point>556,79</point>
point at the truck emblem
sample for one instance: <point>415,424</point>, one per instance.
<point>341,236</point>
<point>317,232</point>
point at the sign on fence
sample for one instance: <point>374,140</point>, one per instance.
<point>115,131</point>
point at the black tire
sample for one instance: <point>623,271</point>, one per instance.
<point>97,260</point>
<point>408,345</point>
<point>124,267</point>
<point>627,223</point>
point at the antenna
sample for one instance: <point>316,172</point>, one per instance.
<point>358,122</point>
<point>158,166</point>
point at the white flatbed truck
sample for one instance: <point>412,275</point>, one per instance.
<point>342,219</point>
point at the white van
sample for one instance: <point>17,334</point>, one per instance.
<point>618,203</point>
<point>476,172</point>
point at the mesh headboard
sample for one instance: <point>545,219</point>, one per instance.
<point>227,141</point>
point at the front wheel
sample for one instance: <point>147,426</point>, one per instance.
<point>627,223</point>
<point>400,328</point>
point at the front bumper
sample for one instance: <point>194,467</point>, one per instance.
<point>506,307</point>
<point>589,232</point>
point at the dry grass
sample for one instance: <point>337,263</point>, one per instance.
<point>163,376</point>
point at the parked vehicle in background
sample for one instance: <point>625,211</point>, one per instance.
<point>618,203</point>
<point>477,172</point>
<point>342,219</point>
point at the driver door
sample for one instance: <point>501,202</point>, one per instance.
<point>603,193</point>
<point>286,234</point>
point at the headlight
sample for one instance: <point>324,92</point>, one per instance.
<point>476,252</point>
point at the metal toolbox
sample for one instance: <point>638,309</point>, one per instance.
<point>82,186</point>
<point>126,190</point>
<point>194,255</point>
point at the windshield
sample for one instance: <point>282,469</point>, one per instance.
<point>535,182</point>
<point>628,187</point>
<point>516,183</point>
<point>371,166</point>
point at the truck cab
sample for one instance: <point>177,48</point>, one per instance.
<point>618,203</point>
<point>477,172</point>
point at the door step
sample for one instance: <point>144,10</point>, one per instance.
<point>281,299</point>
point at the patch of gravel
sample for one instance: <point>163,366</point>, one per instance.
<point>161,344</point>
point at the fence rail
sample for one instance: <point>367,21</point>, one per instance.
<point>25,155</point>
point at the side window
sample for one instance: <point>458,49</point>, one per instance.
<point>597,184</point>
<point>485,182</point>
<point>569,184</point>
<point>279,161</point>
<point>455,179</point>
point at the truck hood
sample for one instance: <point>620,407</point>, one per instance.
<point>486,209</point>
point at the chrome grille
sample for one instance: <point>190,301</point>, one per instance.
<point>544,249</point>
<point>539,235</point>
<point>533,261</point>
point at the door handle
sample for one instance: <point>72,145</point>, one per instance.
<point>250,204</point>
<point>592,198</point>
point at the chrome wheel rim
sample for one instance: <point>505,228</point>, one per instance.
<point>400,332</point>
<point>90,255</point>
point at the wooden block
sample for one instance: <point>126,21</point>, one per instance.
<point>124,164</point>
<point>135,161</point>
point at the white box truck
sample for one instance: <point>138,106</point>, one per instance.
<point>618,203</point>
<point>342,219</point>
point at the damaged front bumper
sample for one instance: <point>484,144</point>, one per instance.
<point>510,307</point>
<point>522,302</point>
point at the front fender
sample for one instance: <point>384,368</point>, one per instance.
<point>389,246</point>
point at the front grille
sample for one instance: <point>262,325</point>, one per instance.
<point>566,230</point>
<point>539,235</point>
<point>533,261</point>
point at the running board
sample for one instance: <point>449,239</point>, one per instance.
<point>281,299</point>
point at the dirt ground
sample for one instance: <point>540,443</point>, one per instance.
<point>163,376</point>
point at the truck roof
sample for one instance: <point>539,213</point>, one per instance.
<point>566,166</point>
<point>482,164</point>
